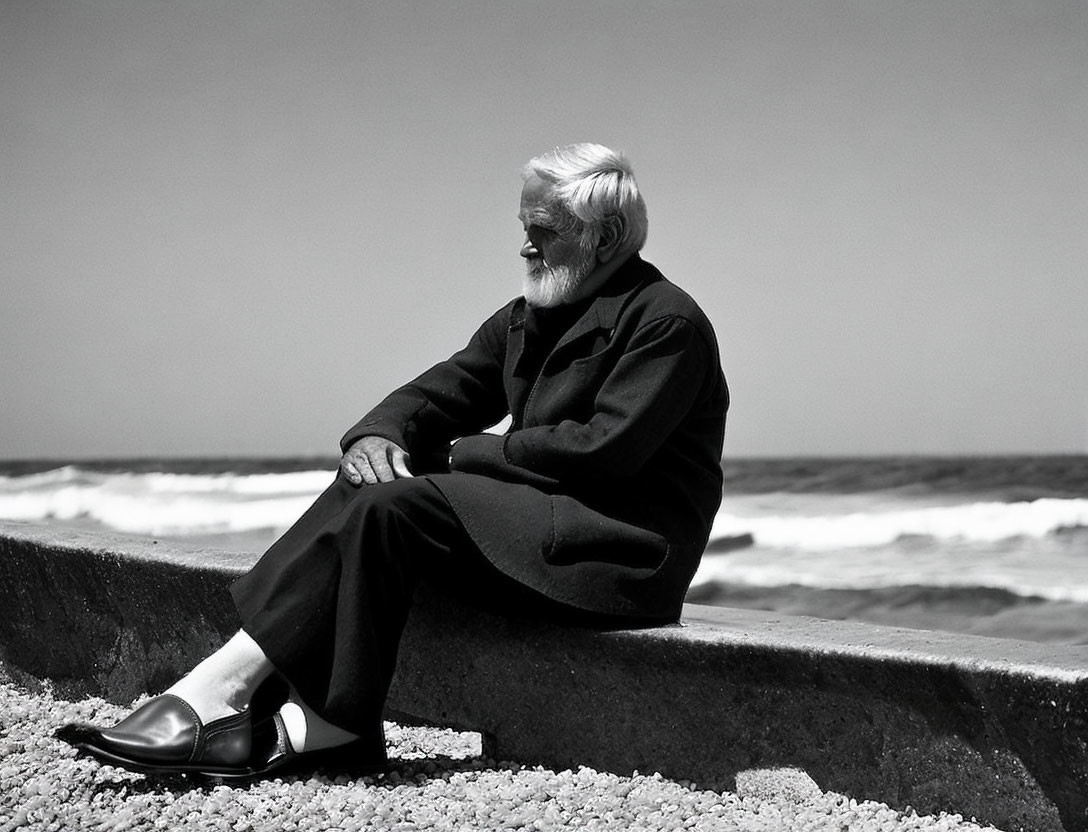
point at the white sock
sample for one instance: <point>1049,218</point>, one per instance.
<point>308,731</point>
<point>294,721</point>
<point>208,706</point>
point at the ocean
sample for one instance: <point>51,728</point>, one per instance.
<point>994,546</point>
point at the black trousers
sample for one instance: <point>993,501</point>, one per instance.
<point>328,601</point>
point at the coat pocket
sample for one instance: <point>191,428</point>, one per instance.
<point>582,535</point>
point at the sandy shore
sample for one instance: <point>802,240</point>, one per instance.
<point>439,781</point>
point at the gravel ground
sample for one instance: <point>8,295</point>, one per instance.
<point>439,781</point>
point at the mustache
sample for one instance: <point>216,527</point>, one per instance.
<point>537,266</point>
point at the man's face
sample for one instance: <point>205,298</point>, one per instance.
<point>555,266</point>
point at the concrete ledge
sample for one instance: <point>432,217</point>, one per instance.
<point>988,728</point>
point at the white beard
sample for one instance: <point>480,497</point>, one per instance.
<point>548,286</point>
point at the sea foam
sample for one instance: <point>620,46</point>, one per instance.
<point>976,521</point>
<point>163,503</point>
<point>1030,548</point>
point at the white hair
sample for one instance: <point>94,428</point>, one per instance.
<point>592,187</point>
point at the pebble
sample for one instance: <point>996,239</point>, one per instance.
<point>441,781</point>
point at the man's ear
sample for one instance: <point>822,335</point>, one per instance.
<point>611,235</point>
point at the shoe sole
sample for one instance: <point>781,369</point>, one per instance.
<point>296,763</point>
<point>163,769</point>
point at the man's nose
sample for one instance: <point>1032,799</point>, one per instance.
<point>528,249</point>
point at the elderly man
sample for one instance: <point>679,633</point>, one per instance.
<point>592,508</point>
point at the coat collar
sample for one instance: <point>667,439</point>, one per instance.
<point>605,309</point>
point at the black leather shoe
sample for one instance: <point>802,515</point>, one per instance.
<point>165,736</point>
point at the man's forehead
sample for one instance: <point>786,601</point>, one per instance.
<point>536,196</point>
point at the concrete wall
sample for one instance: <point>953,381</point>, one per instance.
<point>988,728</point>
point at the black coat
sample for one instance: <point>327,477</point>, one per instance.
<point>602,492</point>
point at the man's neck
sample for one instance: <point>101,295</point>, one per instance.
<point>596,280</point>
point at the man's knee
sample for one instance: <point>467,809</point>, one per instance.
<point>408,497</point>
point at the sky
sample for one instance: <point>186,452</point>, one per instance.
<point>232,228</point>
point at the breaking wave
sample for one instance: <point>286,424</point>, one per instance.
<point>162,503</point>
<point>978,521</point>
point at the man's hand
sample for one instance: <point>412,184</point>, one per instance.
<point>372,459</point>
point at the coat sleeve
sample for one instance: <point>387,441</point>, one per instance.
<point>647,395</point>
<point>461,395</point>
